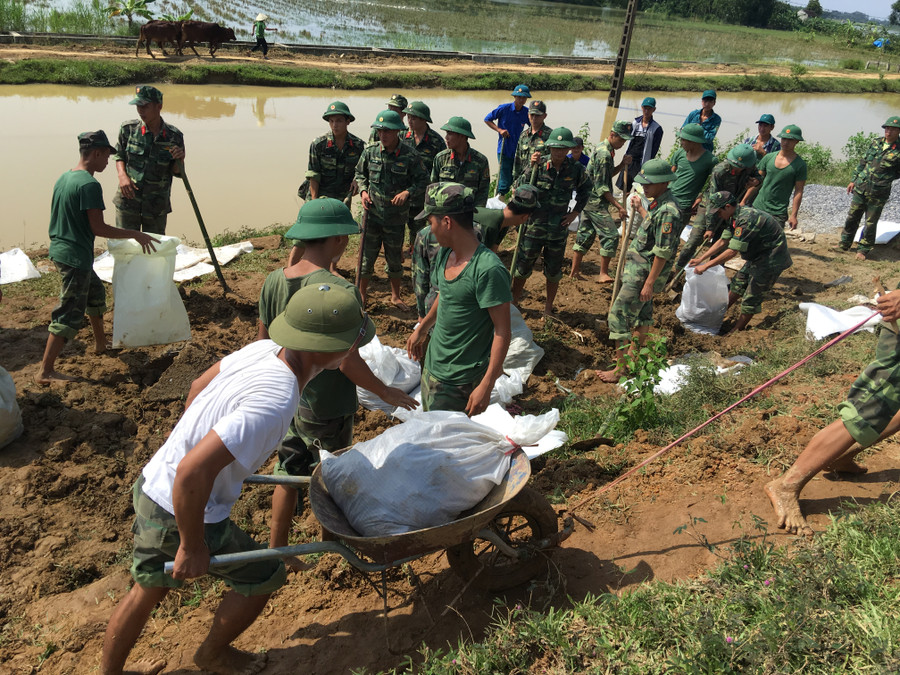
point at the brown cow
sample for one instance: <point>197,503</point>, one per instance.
<point>202,31</point>
<point>161,32</point>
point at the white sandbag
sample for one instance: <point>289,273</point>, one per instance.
<point>886,231</point>
<point>704,300</point>
<point>523,353</point>
<point>148,308</point>
<point>822,321</point>
<point>16,266</point>
<point>495,203</point>
<point>424,472</point>
<point>10,416</point>
<point>392,366</point>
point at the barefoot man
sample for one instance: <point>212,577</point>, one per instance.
<point>235,415</point>
<point>869,415</point>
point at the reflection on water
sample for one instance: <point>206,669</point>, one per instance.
<point>247,146</point>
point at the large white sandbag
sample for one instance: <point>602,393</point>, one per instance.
<point>10,415</point>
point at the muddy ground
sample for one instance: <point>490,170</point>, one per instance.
<point>65,508</point>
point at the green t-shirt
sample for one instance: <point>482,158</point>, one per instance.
<point>330,394</point>
<point>71,238</point>
<point>690,177</point>
<point>491,223</point>
<point>778,184</point>
<point>460,348</point>
<point>259,29</point>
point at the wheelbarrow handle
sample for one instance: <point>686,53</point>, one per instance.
<point>260,479</point>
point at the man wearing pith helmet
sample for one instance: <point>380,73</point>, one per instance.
<point>398,104</point>
<point>324,417</point>
<point>531,142</point>
<point>647,265</point>
<point>782,173</point>
<point>870,187</point>
<point>461,163</point>
<point>235,414</point>
<point>333,157</point>
<point>508,120</point>
<point>428,143</point>
<point>388,173</point>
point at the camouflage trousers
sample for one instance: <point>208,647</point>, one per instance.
<point>82,293</point>
<point>134,220</point>
<point>870,206</point>
<point>874,398</point>
<point>755,279</point>
<point>597,225</point>
<point>416,204</point>
<point>628,311</point>
<point>437,395</point>
<point>538,237</point>
<point>298,452</point>
<point>385,230</point>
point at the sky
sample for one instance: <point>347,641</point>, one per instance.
<point>875,8</point>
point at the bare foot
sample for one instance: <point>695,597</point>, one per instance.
<point>229,661</point>
<point>605,279</point>
<point>550,314</point>
<point>837,248</point>
<point>610,376</point>
<point>787,508</point>
<point>861,256</point>
<point>846,465</point>
<point>576,276</point>
<point>146,667</point>
<point>399,304</point>
<point>52,377</point>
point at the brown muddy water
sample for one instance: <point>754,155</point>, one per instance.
<point>247,147</point>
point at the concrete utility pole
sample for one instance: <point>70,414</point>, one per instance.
<point>615,90</point>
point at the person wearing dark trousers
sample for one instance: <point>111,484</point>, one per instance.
<point>259,32</point>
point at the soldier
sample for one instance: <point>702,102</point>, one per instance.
<point>461,163</point>
<point>428,143</point>
<point>692,165</point>
<point>782,173</point>
<point>556,178</point>
<point>760,240</point>
<point>870,188</point>
<point>706,118</point>
<point>148,154</point>
<point>398,104</point>
<point>333,158</point>
<point>470,316</point>
<point>764,142</point>
<point>735,174</point>
<point>531,142</point>
<point>508,120</point>
<point>648,263</point>
<point>596,221</point>
<point>387,174</point>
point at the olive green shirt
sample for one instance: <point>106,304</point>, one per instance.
<point>690,177</point>
<point>778,184</point>
<point>71,237</point>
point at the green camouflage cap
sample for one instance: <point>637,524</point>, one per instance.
<point>522,90</point>
<point>537,108</point>
<point>560,137</point>
<point>320,218</point>
<point>338,108</point>
<point>525,197</point>
<point>145,93</point>
<point>891,122</point>
<point>743,156</point>
<point>398,101</point>
<point>692,132</point>
<point>94,139</point>
<point>460,125</point>
<point>622,128</point>
<point>388,119</point>
<point>322,318</point>
<point>447,198</point>
<point>717,200</point>
<point>791,131</point>
<point>419,109</point>
<point>655,171</point>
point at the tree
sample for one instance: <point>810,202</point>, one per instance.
<point>131,8</point>
<point>814,8</point>
<point>894,18</point>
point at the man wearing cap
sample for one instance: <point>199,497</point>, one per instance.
<point>396,103</point>
<point>706,118</point>
<point>461,163</point>
<point>597,222</point>
<point>760,240</point>
<point>235,415</point>
<point>578,153</point>
<point>388,173</point>
<point>324,417</point>
<point>647,265</point>
<point>870,188</point>
<point>428,143</point>
<point>76,217</point>
<point>735,174</point>
<point>508,120</point>
<point>647,135</point>
<point>782,173</point>
<point>692,164</point>
<point>148,154</point>
<point>556,178</point>
<point>764,142</point>
<point>259,32</point>
<point>532,139</point>
<point>470,317</point>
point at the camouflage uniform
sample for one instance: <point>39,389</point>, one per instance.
<point>596,220</point>
<point>384,175</point>
<point>333,167</point>
<point>872,180</point>
<point>429,147</point>
<point>657,236</point>
<point>149,164</point>
<point>760,240</point>
<point>543,231</point>
<point>471,170</point>
<point>529,143</point>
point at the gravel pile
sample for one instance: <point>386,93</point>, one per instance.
<point>824,209</point>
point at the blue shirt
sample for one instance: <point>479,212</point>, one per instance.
<point>710,126</point>
<point>584,159</point>
<point>507,117</point>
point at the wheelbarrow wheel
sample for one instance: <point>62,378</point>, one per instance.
<point>527,518</point>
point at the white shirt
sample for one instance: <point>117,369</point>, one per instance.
<point>249,404</point>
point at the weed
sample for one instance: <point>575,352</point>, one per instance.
<point>638,409</point>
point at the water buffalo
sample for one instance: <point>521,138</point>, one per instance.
<point>161,32</point>
<point>201,31</point>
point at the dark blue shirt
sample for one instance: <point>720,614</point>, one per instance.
<point>584,159</point>
<point>507,117</point>
<point>710,126</point>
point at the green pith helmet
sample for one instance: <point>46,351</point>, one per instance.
<point>655,171</point>
<point>320,218</point>
<point>398,101</point>
<point>460,125</point>
<point>338,108</point>
<point>418,109</point>
<point>322,318</point>
<point>446,199</point>
<point>891,122</point>
<point>388,119</point>
<point>145,93</point>
<point>692,132</point>
<point>719,199</point>
<point>622,128</point>
<point>560,137</point>
<point>743,156</point>
<point>791,131</point>
<point>525,197</point>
